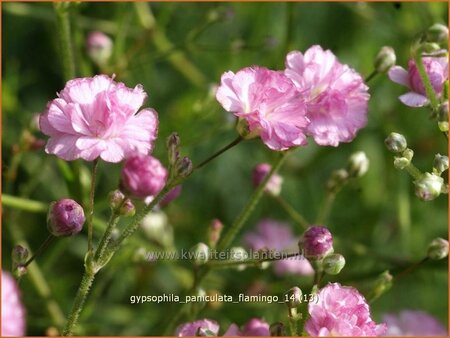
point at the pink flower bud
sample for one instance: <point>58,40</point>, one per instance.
<point>65,218</point>
<point>170,196</point>
<point>316,242</point>
<point>143,176</point>
<point>99,47</point>
<point>274,185</point>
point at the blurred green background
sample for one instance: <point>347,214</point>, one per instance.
<point>178,51</point>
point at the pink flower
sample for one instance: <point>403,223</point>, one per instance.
<point>13,312</point>
<point>170,196</point>
<point>336,96</point>
<point>413,323</point>
<point>143,176</point>
<point>278,236</point>
<point>253,328</point>
<point>95,117</point>
<point>198,328</point>
<point>269,102</point>
<point>437,71</point>
<point>341,311</point>
<point>275,182</point>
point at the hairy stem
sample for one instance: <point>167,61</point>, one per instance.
<point>65,39</point>
<point>91,205</point>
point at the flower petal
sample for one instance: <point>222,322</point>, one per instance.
<point>412,99</point>
<point>399,75</point>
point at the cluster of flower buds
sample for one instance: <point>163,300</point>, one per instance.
<point>120,204</point>
<point>357,166</point>
<point>316,245</point>
<point>179,167</point>
<point>428,186</point>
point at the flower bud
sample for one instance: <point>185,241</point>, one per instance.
<point>170,196</point>
<point>127,209</point>
<point>429,48</point>
<point>184,167</point>
<point>65,218</point>
<point>243,129</point>
<point>115,198</point>
<point>382,284</point>
<point>214,231</point>
<point>401,162</point>
<point>173,145</point>
<point>99,47</point>
<point>440,163</point>
<point>443,116</point>
<point>333,264</point>
<point>385,59</point>
<point>200,253</point>
<point>273,186</point>
<point>277,330</point>
<point>358,164</point>
<point>316,242</point>
<point>337,180</point>
<point>294,296</point>
<point>438,249</point>
<point>429,186</point>
<point>143,175</point>
<point>19,255</point>
<point>395,143</point>
<point>437,33</point>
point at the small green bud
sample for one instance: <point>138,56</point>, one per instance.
<point>440,163</point>
<point>429,186</point>
<point>438,249</point>
<point>385,59</point>
<point>200,253</point>
<point>437,33</point>
<point>115,198</point>
<point>401,162</point>
<point>429,47</point>
<point>382,284</point>
<point>238,253</point>
<point>333,264</point>
<point>395,143</point>
<point>184,167</point>
<point>127,209</point>
<point>294,296</point>
<point>358,164</point>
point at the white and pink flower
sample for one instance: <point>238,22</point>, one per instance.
<point>97,117</point>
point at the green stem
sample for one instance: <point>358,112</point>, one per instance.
<point>221,151</point>
<point>326,207</point>
<point>410,269</point>
<point>43,246</point>
<point>23,204</point>
<point>292,325</point>
<point>91,205</point>
<point>294,214</point>
<point>371,76</point>
<point>413,171</point>
<point>429,90</point>
<point>80,298</point>
<point>65,39</point>
<point>251,204</point>
<point>106,236</point>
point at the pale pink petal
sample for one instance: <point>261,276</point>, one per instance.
<point>399,75</point>
<point>233,330</point>
<point>113,153</point>
<point>63,146</point>
<point>412,99</point>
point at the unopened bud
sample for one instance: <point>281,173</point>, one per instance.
<point>437,33</point>
<point>243,129</point>
<point>443,117</point>
<point>440,163</point>
<point>316,242</point>
<point>19,255</point>
<point>294,296</point>
<point>438,249</point>
<point>385,59</point>
<point>396,143</point>
<point>358,164</point>
<point>238,253</point>
<point>127,209</point>
<point>333,264</point>
<point>429,186</point>
<point>184,167</point>
<point>382,284</point>
<point>277,330</point>
<point>99,47</point>
<point>214,232</point>
<point>337,180</point>
<point>116,198</point>
<point>65,218</point>
<point>200,254</point>
<point>173,145</point>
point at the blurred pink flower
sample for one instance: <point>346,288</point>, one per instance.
<point>413,323</point>
<point>336,96</point>
<point>278,236</point>
<point>275,182</point>
<point>143,176</point>
<point>13,312</point>
<point>253,328</point>
<point>170,196</point>
<point>269,102</point>
<point>199,327</point>
<point>99,47</point>
<point>341,311</point>
<point>437,71</point>
<point>95,117</point>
